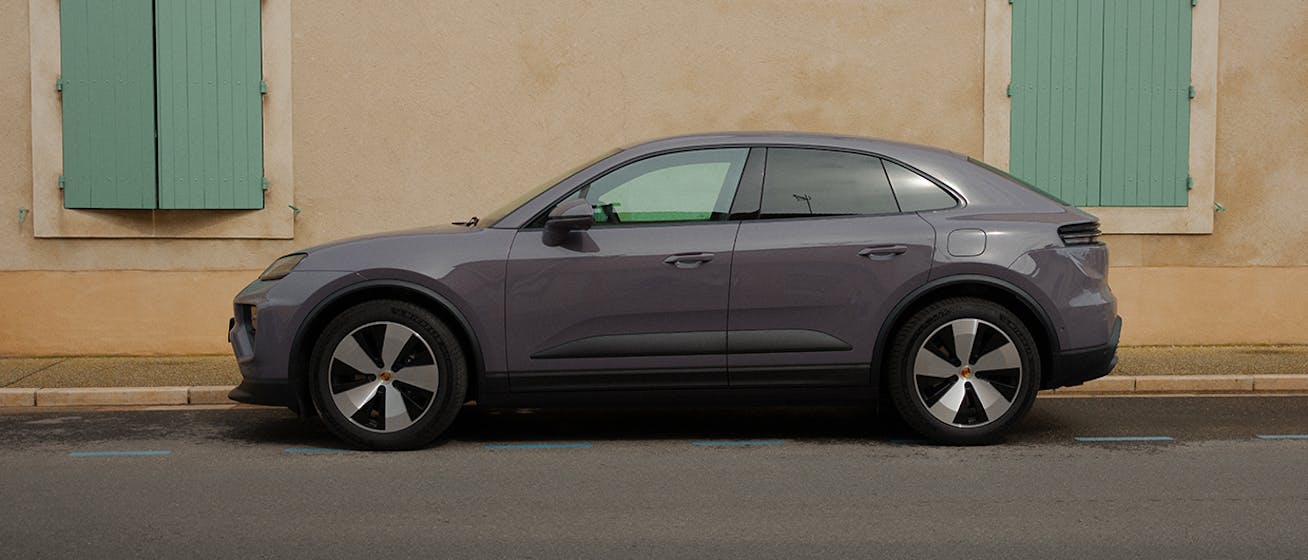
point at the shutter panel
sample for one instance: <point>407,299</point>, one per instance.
<point>1146,103</point>
<point>1100,110</point>
<point>1056,105</point>
<point>210,106</point>
<point>107,80</point>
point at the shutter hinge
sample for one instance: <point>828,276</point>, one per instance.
<point>265,183</point>
<point>1010,2</point>
<point>61,182</point>
<point>1191,92</point>
<point>263,86</point>
<point>1189,183</point>
<point>1009,90</point>
<point>1193,3</point>
<point>59,83</point>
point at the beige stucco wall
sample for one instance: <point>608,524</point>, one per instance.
<point>409,113</point>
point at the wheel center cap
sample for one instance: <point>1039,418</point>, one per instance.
<point>966,372</point>
<point>385,376</point>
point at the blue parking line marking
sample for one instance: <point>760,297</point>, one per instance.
<point>1124,438</point>
<point>1282,436</point>
<point>741,442</point>
<point>314,449</point>
<point>536,445</point>
<point>116,453</point>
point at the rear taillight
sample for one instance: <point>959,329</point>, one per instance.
<point>1086,233</point>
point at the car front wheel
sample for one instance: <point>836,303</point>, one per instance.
<point>388,375</point>
<point>963,370</point>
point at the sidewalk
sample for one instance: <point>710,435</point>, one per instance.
<point>205,379</point>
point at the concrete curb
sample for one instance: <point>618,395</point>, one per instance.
<point>115,396</point>
<point>1111,385</point>
<point>1190,384</point>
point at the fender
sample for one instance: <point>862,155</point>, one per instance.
<point>883,336</point>
<point>297,376</point>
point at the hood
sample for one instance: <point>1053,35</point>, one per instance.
<point>422,231</point>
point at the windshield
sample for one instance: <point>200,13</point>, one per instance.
<point>499,213</point>
<point>1010,177</point>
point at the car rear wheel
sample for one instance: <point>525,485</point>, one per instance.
<point>963,370</point>
<point>388,375</point>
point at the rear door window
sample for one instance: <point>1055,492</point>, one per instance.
<point>803,182</point>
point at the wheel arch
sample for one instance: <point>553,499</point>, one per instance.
<point>331,306</point>
<point>1004,293</point>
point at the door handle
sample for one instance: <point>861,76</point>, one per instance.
<point>688,260</point>
<point>883,252</point>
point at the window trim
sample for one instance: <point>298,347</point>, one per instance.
<point>51,220</point>
<point>1194,218</point>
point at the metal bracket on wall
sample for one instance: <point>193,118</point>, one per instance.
<point>22,215</point>
<point>295,208</point>
<point>1009,90</point>
<point>1217,206</point>
<point>61,182</point>
<point>59,83</point>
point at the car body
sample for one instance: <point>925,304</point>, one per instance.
<point>762,299</point>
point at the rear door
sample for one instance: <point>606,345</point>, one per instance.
<point>817,272</point>
<point>639,300</point>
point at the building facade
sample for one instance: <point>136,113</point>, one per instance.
<point>251,129</point>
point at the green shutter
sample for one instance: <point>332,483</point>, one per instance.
<point>1146,102</point>
<point>1100,109</point>
<point>107,80</point>
<point>210,107</point>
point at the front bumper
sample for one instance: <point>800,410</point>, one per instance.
<point>1074,367</point>
<point>270,393</point>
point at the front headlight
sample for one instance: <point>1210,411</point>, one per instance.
<point>281,267</point>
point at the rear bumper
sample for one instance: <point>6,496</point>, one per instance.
<point>1074,367</point>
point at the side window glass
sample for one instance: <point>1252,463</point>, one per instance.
<point>801,182</point>
<point>915,192</point>
<point>692,186</point>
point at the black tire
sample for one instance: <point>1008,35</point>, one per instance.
<point>910,392</point>
<point>442,349</point>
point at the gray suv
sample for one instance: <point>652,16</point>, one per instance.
<point>775,268</point>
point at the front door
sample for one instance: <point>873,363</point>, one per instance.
<point>640,299</point>
<point>815,275</point>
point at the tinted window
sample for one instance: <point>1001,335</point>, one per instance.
<point>678,187</point>
<point>804,182</point>
<point>915,192</point>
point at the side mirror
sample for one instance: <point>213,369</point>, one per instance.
<point>573,215</point>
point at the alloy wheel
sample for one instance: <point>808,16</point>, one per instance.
<point>967,373</point>
<point>383,377</point>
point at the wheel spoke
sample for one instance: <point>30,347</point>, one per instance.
<point>964,336</point>
<point>352,354</point>
<point>947,407</point>
<point>931,365</point>
<point>422,377</point>
<point>397,415</point>
<point>1002,357</point>
<point>992,400</point>
<point>397,337</point>
<point>349,402</point>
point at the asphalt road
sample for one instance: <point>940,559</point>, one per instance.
<point>772,483</point>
